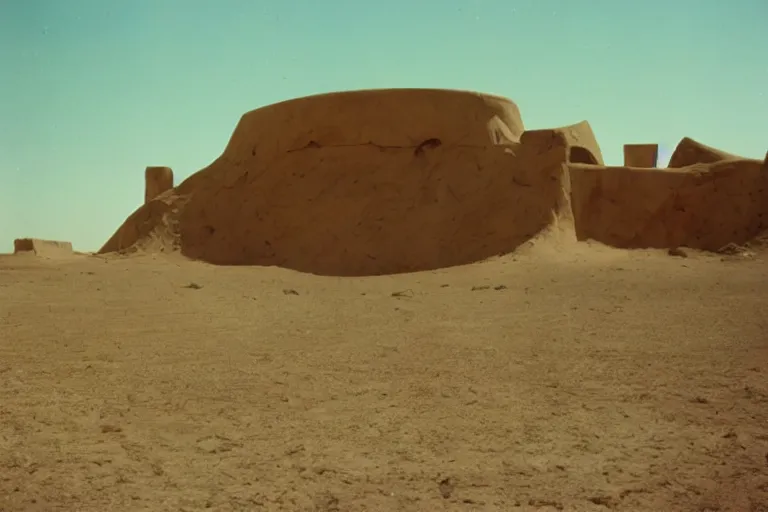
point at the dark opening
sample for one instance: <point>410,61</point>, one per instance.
<point>580,155</point>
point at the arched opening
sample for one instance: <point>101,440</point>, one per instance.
<point>580,155</point>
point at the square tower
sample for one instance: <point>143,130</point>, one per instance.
<point>641,155</point>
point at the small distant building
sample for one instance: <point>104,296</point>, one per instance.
<point>157,181</point>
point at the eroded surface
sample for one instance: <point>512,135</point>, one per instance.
<point>611,381</point>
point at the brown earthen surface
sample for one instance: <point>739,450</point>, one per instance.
<point>704,206</point>
<point>388,181</point>
<point>367,182</point>
<point>578,378</point>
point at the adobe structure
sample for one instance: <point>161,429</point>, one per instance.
<point>157,180</point>
<point>386,181</point>
<point>641,155</point>
<point>44,248</point>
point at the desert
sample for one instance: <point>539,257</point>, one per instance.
<point>400,299</point>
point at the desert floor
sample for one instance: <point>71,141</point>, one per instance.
<point>590,380</point>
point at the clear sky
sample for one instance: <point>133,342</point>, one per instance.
<point>93,91</point>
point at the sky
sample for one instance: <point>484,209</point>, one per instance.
<point>93,91</point>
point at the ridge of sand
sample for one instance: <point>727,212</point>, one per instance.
<point>388,181</point>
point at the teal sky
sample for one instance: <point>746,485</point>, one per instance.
<point>93,91</point>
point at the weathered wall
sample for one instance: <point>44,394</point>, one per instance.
<point>704,206</point>
<point>370,182</point>
<point>376,182</point>
<point>386,181</point>
<point>45,248</point>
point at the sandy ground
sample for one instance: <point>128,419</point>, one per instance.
<point>604,380</point>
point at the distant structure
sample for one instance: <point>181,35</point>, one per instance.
<point>641,155</point>
<point>36,246</point>
<point>157,181</point>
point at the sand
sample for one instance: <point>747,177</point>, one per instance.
<point>589,379</point>
<point>400,300</point>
